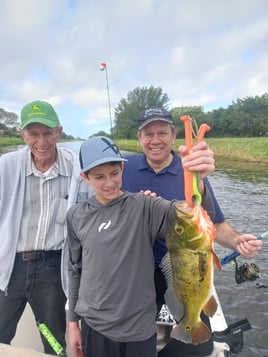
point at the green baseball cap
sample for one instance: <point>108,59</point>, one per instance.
<point>39,112</point>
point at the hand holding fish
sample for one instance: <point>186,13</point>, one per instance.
<point>248,245</point>
<point>200,159</point>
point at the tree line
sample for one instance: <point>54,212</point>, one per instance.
<point>247,117</point>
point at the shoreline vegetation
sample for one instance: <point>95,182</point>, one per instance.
<point>252,150</point>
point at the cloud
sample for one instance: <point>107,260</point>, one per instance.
<point>200,52</point>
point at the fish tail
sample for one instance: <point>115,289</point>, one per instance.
<point>194,335</point>
<point>200,334</point>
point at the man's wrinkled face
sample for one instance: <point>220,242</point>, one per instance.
<point>41,139</point>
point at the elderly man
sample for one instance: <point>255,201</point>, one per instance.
<point>37,185</point>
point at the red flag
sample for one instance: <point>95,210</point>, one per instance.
<point>102,66</point>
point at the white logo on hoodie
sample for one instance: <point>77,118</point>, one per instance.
<point>104,225</point>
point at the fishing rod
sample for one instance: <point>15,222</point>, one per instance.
<point>246,272</point>
<point>51,339</point>
<point>235,254</point>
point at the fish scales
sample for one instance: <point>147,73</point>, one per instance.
<point>192,262</point>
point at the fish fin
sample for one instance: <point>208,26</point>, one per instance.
<point>194,335</point>
<point>216,261</point>
<point>175,307</point>
<point>211,306</point>
<point>165,266</point>
<point>200,334</point>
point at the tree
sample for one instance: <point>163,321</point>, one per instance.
<point>65,136</point>
<point>245,117</point>
<point>100,133</point>
<point>128,109</point>
<point>8,119</point>
<point>195,112</point>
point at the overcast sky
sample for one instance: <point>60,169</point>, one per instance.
<point>200,52</point>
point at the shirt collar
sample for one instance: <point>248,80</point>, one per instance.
<point>172,168</point>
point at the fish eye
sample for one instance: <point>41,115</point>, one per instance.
<point>178,229</point>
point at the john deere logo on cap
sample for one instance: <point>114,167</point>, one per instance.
<point>36,107</point>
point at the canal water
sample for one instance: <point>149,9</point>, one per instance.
<point>243,196</point>
<point>242,192</point>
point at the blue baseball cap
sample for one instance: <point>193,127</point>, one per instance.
<point>98,150</point>
<point>154,114</point>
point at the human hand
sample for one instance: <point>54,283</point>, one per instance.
<point>75,339</point>
<point>199,158</point>
<point>148,193</point>
<point>248,245</point>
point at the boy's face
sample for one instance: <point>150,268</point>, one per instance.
<point>106,181</point>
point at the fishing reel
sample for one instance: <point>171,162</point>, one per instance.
<point>246,272</point>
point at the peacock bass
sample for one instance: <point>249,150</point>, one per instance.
<point>192,260</point>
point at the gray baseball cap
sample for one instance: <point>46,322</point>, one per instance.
<point>98,150</point>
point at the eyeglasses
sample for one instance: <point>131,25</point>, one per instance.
<point>160,135</point>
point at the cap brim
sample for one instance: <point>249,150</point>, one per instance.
<point>49,123</point>
<point>154,119</point>
<point>104,160</point>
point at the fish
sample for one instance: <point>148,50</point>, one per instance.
<point>192,261</point>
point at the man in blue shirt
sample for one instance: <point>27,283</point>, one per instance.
<point>160,170</point>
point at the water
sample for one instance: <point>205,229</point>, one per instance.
<point>242,192</point>
<point>243,197</point>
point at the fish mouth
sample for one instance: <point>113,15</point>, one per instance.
<point>184,212</point>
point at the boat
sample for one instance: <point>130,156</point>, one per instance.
<point>28,344</point>
<point>11,351</point>
<point>227,339</point>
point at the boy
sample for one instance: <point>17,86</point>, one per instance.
<point>111,268</point>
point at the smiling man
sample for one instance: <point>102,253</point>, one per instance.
<point>160,170</point>
<point>38,183</point>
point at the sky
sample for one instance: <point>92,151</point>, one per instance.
<point>200,52</point>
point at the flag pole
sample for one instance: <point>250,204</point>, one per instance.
<point>103,67</point>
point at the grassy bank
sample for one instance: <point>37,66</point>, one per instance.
<point>234,149</point>
<point>240,149</point>
<point>16,141</point>
<point>11,141</point>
